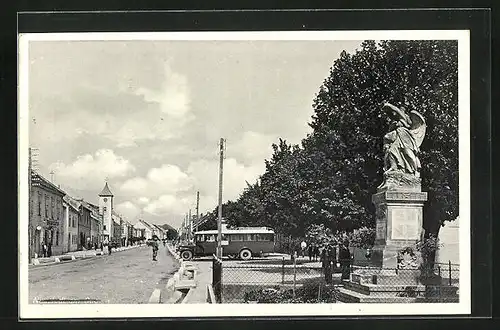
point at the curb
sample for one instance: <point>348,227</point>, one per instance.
<point>172,294</point>
<point>155,297</point>
<point>72,257</point>
<point>175,254</point>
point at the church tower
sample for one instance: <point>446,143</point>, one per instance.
<point>106,209</point>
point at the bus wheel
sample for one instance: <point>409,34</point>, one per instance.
<point>186,255</point>
<point>245,254</point>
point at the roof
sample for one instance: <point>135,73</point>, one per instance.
<point>38,180</point>
<point>161,229</point>
<point>146,224</point>
<point>72,202</point>
<point>259,230</point>
<point>87,205</point>
<point>105,191</point>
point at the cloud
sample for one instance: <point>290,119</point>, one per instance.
<point>253,146</point>
<point>89,171</point>
<point>205,176</point>
<point>173,97</point>
<point>167,204</point>
<point>143,200</point>
<point>129,210</point>
<point>124,116</point>
<point>162,180</point>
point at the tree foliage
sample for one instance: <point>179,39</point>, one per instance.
<point>330,178</point>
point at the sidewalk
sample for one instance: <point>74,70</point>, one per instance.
<point>198,295</point>
<point>75,255</point>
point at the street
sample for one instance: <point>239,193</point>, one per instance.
<point>126,277</point>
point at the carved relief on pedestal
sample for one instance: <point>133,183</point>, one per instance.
<point>407,259</point>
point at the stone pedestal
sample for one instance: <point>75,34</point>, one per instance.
<point>399,215</point>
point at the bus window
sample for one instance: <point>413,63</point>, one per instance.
<point>237,237</point>
<point>209,238</point>
<point>264,237</point>
<point>250,237</point>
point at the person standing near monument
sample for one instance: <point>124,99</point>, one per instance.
<point>345,260</point>
<point>303,246</point>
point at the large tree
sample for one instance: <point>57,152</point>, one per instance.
<point>348,123</point>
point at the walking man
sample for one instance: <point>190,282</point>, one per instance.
<point>155,246</point>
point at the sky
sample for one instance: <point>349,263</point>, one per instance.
<point>147,116</point>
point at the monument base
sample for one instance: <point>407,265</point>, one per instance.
<point>399,227</point>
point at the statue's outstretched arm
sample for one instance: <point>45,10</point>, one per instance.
<point>396,110</point>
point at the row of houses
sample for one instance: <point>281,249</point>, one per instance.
<point>68,224</point>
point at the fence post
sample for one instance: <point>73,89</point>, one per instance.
<point>294,275</point>
<point>283,271</point>
<point>217,278</point>
<point>449,272</point>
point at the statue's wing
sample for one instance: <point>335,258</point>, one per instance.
<point>418,127</point>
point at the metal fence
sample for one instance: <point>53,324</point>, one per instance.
<point>217,279</point>
<point>284,281</point>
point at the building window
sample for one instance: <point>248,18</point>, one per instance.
<point>39,203</point>
<point>46,206</point>
<point>52,207</point>
<point>104,208</point>
<point>104,227</point>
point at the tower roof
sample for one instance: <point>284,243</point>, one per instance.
<point>105,191</point>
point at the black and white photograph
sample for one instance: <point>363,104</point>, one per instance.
<point>275,173</point>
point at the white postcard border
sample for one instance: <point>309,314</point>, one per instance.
<point>70,311</point>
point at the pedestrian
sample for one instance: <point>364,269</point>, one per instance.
<point>303,246</point>
<point>101,247</point>
<point>44,250</point>
<point>310,252</point>
<point>49,250</point>
<point>345,260</point>
<point>110,247</point>
<point>316,253</point>
<point>327,264</point>
<point>154,245</point>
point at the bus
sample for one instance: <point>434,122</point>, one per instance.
<point>241,242</point>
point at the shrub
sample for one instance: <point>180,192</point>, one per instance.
<point>308,293</point>
<point>363,237</point>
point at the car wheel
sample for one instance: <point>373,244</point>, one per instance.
<point>186,255</point>
<point>245,254</point>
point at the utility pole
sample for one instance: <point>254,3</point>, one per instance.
<point>31,229</point>
<point>190,226</point>
<point>185,227</point>
<point>219,220</point>
<point>197,209</point>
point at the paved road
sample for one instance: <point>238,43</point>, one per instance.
<point>125,277</point>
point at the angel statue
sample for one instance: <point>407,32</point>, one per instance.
<point>402,144</point>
